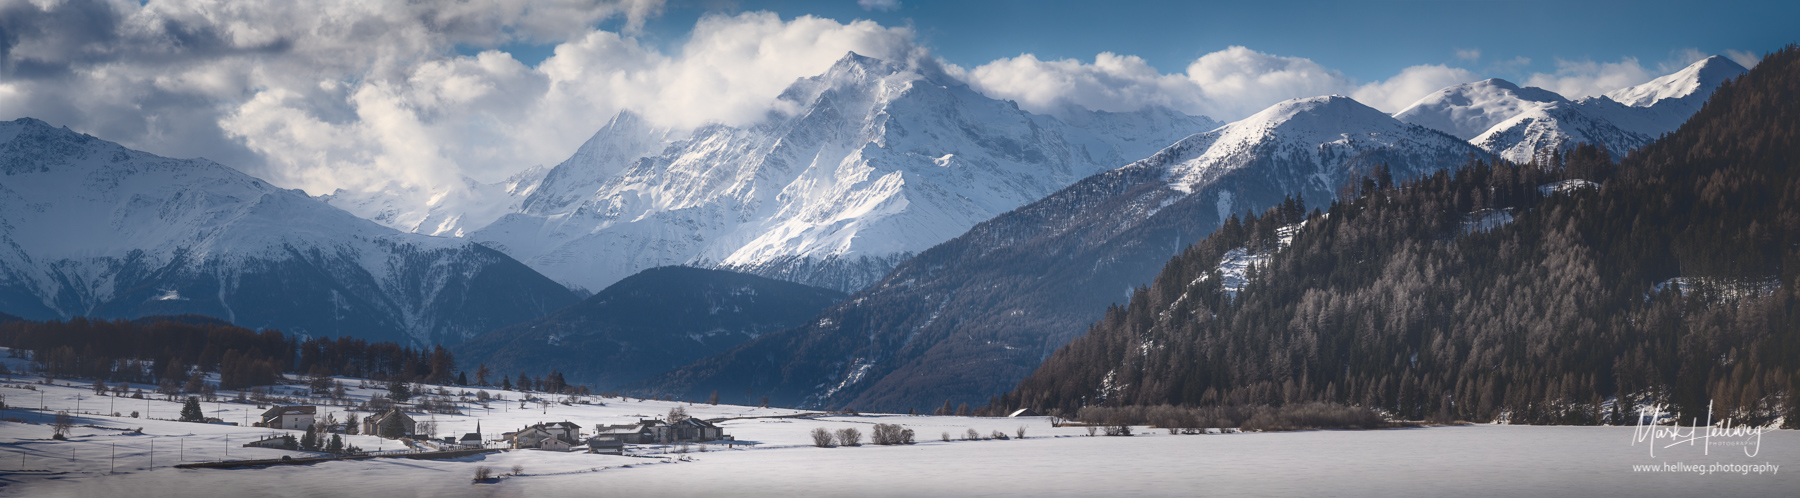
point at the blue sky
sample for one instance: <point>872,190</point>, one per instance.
<point>418,94</point>
<point>1367,40</point>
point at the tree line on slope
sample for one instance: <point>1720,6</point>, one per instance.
<point>1674,283</point>
<point>165,351</point>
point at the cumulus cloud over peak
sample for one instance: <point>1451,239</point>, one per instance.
<point>1227,84</point>
<point>1586,78</point>
<point>370,95</point>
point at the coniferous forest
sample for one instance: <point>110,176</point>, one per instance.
<point>1495,291</point>
<point>166,350</point>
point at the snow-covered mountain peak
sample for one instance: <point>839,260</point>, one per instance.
<point>858,167</point>
<point>1470,109</point>
<point>1311,115</point>
<point>91,228</point>
<point>1321,133</point>
<point>1699,78</point>
<point>1518,123</point>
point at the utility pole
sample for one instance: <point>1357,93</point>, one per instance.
<point>115,459</point>
<point>152,453</point>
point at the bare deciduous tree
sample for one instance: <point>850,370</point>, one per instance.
<point>822,437</point>
<point>849,436</point>
<point>886,434</point>
<point>60,427</point>
<point>1020,432</point>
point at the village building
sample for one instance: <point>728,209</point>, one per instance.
<point>1024,412</point>
<point>553,444</point>
<point>529,437</point>
<point>606,445</point>
<point>653,431</point>
<point>472,439</point>
<point>565,430</point>
<point>697,430</point>
<point>289,417</point>
<point>645,431</point>
<point>532,437</point>
<point>391,424</point>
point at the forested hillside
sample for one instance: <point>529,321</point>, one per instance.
<point>1498,291</point>
<point>646,324</point>
<point>168,350</point>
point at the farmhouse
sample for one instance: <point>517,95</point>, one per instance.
<point>606,445</point>
<point>653,431</point>
<point>391,424</point>
<point>553,444</point>
<point>1024,412</point>
<point>694,429</point>
<point>649,431</point>
<point>532,437</point>
<point>289,417</point>
<point>529,437</point>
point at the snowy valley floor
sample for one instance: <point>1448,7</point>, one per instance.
<point>773,457</point>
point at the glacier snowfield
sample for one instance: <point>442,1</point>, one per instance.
<point>773,457</point>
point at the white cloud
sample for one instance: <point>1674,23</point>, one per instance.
<point>1680,58</point>
<point>885,5</point>
<point>1111,83</point>
<point>1468,54</point>
<point>1227,84</point>
<point>1574,79</point>
<point>1744,58</point>
<point>1410,85</point>
<point>362,95</point>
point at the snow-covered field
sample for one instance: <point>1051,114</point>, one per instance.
<point>774,457</point>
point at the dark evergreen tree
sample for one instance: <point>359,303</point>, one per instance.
<point>190,411</point>
<point>398,390</point>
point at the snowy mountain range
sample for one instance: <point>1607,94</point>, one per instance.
<point>90,228</point>
<point>969,318</point>
<point>875,161</point>
<point>1517,122</point>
